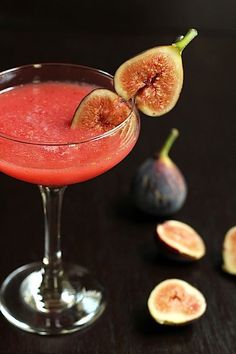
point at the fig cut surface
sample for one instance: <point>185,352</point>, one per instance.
<point>176,302</point>
<point>154,78</point>
<point>101,110</point>
<point>181,238</point>
<point>229,251</point>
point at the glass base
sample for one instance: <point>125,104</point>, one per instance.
<point>80,303</point>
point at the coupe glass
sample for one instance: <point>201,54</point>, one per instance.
<point>51,297</point>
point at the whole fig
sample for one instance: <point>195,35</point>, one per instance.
<point>159,188</point>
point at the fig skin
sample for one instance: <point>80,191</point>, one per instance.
<point>154,77</point>
<point>179,241</point>
<point>158,187</point>
<point>229,251</point>
<point>175,302</point>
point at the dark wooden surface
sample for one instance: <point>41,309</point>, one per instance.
<point>100,227</point>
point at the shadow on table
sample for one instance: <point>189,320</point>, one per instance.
<point>144,324</point>
<point>150,253</point>
<point>124,208</point>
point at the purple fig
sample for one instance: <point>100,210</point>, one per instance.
<point>159,187</point>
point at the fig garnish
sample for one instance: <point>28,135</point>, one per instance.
<point>154,77</point>
<point>101,110</point>
<point>176,302</point>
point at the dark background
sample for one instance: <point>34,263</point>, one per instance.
<point>102,230</point>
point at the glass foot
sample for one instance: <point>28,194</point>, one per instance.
<point>80,301</point>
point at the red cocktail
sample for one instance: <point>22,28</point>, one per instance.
<point>40,114</point>
<point>37,145</point>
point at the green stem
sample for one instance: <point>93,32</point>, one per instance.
<point>183,42</point>
<point>169,142</point>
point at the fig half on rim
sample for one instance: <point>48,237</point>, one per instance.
<point>154,77</point>
<point>180,241</point>
<point>229,251</point>
<point>101,110</point>
<point>176,302</point>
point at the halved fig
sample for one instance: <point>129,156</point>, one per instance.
<point>154,77</point>
<point>176,302</point>
<point>101,110</point>
<point>180,240</point>
<point>229,251</point>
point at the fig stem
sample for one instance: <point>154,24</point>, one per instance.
<point>168,143</point>
<point>184,41</point>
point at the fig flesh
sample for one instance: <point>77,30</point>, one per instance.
<point>154,77</point>
<point>180,240</point>
<point>101,110</point>
<point>176,302</point>
<point>158,187</point>
<point>229,251</point>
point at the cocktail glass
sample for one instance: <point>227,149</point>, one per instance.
<point>51,297</point>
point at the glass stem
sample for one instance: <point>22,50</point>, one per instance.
<point>52,272</point>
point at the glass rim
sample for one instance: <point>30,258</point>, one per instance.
<point>131,102</point>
